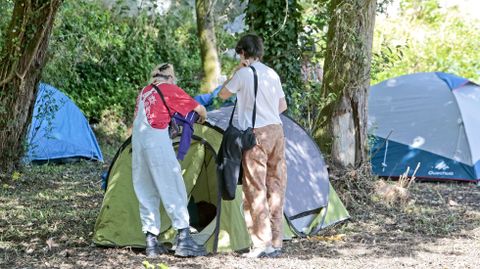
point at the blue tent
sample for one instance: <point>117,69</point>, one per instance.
<point>430,120</point>
<point>59,131</point>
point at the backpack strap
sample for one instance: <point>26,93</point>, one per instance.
<point>255,87</point>
<point>163,98</point>
<point>233,111</point>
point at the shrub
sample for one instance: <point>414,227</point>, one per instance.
<point>101,58</point>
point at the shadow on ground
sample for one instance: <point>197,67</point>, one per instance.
<point>47,216</point>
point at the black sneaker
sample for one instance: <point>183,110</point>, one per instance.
<point>187,247</point>
<point>153,247</point>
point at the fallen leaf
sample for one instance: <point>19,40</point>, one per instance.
<point>452,203</point>
<point>16,175</point>
<point>332,238</point>
<point>51,244</point>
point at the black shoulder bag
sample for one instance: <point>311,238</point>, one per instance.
<point>234,142</point>
<point>173,128</point>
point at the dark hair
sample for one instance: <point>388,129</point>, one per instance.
<point>251,45</point>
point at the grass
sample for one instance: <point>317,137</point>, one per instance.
<point>434,210</point>
<point>50,202</point>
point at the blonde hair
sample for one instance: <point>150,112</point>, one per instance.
<point>162,72</point>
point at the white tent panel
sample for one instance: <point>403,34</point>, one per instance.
<point>468,98</point>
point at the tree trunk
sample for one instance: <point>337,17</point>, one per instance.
<point>21,63</point>
<point>346,81</point>
<point>208,44</point>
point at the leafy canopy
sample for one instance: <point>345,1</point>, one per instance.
<point>426,37</point>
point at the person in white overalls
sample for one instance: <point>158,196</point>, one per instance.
<point>156,172</point>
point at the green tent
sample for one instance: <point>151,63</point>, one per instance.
<point>220,224</point>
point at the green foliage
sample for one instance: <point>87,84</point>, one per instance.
<point>279,25</point>
<point>426,11</point>
<point>112,127</point>
<point>382,5</point>
<point>386,58</point>
<point>101,58</point>
<point>6,8</point>
<point>443,40</point>
<point>314,22</point>
<point>148,265</point>
<point>225,41</point>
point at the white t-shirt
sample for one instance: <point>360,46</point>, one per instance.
<point>269,94</point>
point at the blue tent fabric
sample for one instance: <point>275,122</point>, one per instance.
<point>59,130</point>
<point>430,165</point>
<point>477,168</point>
<point>452,81</point>
<point>206,99</point>
<point>428,119</point>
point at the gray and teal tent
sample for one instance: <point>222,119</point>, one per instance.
<point>426,119</point>
<point>311,203</point>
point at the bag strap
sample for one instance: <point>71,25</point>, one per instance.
<point>255,87</point>
<point>233,111</point>
<point>163,98</point>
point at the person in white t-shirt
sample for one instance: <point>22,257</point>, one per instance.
<point>264,167</point>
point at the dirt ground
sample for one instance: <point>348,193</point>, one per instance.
<point>47,215</point>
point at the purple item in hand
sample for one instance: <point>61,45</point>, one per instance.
<point>186,124</point>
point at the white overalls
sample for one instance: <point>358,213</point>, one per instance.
<point>156,174</point>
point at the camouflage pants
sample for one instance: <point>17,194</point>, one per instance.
<point>264,183</point>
